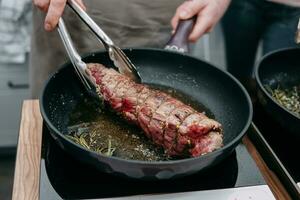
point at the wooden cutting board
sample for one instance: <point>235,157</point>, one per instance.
<point>27,169</point>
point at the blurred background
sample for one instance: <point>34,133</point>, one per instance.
<point>15,29</point>
<point>15,33</point>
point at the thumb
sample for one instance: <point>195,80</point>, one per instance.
<point>187,10</point>
<point>190,8</point>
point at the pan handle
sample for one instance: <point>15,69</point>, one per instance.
<point>179,40</point>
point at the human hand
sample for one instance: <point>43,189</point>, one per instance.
<point>208,13</point>
<point>54,10</point>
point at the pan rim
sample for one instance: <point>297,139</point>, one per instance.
<point>258,79</point>
<point>155,163</point>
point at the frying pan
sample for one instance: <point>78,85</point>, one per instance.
<point>215,89</point>
<point>281,67</point>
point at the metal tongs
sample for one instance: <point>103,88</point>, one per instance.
<point>119,58</point>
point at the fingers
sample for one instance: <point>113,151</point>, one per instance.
<point>190,8</point>
<point>174,22</point>
<point>42,4</point>
<point>208,18</point>
<point>55,11</point>
<point>187,10</point>
<point>203,25</point>
<point>210,29</point>
<point>208,13</point>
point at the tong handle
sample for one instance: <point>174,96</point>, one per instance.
<point>106,41</point>
<point>179,40</point>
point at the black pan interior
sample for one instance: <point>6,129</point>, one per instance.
<point>281,67</point>
<point>216,90</point>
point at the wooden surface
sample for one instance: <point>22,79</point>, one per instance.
<point>271,179</point>
<point>27,170</point>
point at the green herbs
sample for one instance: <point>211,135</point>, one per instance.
<point>110,137</point>
<point>289,98</point>
<point>101,130</point>
<point>88,141</point>
<point>109,151</point>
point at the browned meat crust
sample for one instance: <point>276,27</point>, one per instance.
<point>168,122</point>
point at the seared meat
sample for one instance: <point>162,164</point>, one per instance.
<point>168,122</point>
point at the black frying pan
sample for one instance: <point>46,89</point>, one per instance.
<point>281,67</point>
<point>216,89</point>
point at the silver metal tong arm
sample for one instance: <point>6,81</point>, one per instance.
<point>92,25</point>
<point>120,60</point>
<point>79,65</point>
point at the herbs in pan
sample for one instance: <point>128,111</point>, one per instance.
<point>88,142</point>
<point>287,97</point>
<point>102,131</point>
<point>114,141</point>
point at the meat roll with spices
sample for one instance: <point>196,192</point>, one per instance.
<point>169,123</point>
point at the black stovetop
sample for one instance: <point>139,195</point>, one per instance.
<point>63,177</point>
<point>285,144</point>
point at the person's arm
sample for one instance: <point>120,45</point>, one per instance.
<point>54,10</point>
<point>208,13</point>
